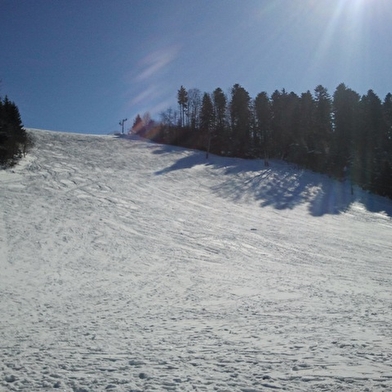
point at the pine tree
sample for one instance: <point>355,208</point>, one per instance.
<point>284,123</point>
<point>262,107</point>
<point>182,99</point>
<point>277,122</point>
<point>223,137</point>
<point>293,135</point>
<point>306,142</point>
<point>345,112</point>
<point>323,125</point>
<point>206,120</point>
<point>367,142</point>
<point>387,126</point>
<point>14,140</point>
<point>383,181</point>
<point>240,115</point>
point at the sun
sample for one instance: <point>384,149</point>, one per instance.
<point>342,28</point>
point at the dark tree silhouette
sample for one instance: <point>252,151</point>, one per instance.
<point>206,120</point>
<point>14,140</point>
<point>182,99</point>
<point>240,116</point>
<point>223,137</point>
<point>345,112</point>
<point>262,139</point>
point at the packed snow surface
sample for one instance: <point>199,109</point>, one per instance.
<point>131,266</point>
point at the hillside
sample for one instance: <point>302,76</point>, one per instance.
<point>131,266</point>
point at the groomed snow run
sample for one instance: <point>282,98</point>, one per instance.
<point>131,266</point>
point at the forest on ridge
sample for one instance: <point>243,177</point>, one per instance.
<point>346,136</point>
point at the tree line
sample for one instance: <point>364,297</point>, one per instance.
<point>14,140</point>
<point>345,135</point>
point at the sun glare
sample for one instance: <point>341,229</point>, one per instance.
<point>344,32</point>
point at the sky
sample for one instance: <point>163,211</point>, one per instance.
<point>84,65</point>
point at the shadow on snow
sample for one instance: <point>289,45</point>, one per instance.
<point>281,185</point>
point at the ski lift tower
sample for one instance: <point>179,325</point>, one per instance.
<point>122,122</point>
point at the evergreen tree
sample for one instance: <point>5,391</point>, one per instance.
<point>387,126</point>
<point>306,143</point>
<point>386,175</point>
<point>307,109</point>
<point>206,120</point>
<point>277,122</point>
<point>223,138</point>
<point>383,182</point>
<point>293,129</point>
<point>345,112</point>
<point>240,115</point>
<point>367,142</point>
<point>262,107</point>
<point>284,124</point>
<point>323,126</point>
<point>382,173</point>
<point>14,140</point>
<point>182,99</point>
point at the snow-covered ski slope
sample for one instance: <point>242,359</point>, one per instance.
<point>131,266</point>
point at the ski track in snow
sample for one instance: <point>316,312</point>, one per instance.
<point>130,266</point>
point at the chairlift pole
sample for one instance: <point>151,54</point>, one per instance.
<point>122,122</point>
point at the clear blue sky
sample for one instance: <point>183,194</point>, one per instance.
<point>83,65</point>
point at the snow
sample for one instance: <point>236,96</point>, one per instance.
<point>131,266</point>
